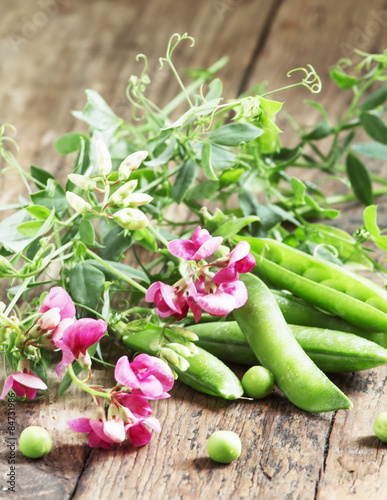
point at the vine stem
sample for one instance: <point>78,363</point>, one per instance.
<point>85,387</point>
<point>115,271</point>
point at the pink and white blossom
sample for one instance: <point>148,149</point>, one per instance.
<point>58,298</point>
<point>24,383</point>
<point>145,375</point>
<point>201,246</point>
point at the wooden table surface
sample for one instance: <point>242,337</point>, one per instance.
<point>51,51</point>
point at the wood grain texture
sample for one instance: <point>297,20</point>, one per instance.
<point>50,52</point>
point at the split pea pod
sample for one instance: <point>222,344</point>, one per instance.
<point>332,351</point>
<point>323,284</point>
<point>272,341</point>
<point>205,373</point>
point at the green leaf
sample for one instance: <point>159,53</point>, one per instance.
<point>230,227</point>
<point>343,80</point>
<point>70,142</point>
<point>374,126</point>
<point>110,275</point>
<point>97,113</point>
<point>203,191</point>
<point>329,212</point>
<point>184,179</point>
<point>207,167</point>
<point>381,242</point>
<point>370,220</point>
<point>360,179</point>
<point>30,228</point>
<point>233,134</point>
<point>299,189</point>
<point>115,243</point>
<point>39,212</point>
<point>10,236</point>
<point>319,107</point>
<point>165,156</point>
<point>322,130</point>
<point>86,232</point>
<point>222,157</point>
<point>371,149</point>
<point>67,380</point>
<point>231,176</point>
<point>146,239</point>
<point>53,196</point>
<point>40,176</point>
<point>86,284</point>
<point>215,89</point>
<point>374,100</point>
<point>271,107</point>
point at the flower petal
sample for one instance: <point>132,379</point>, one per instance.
<point>208,248</point>
<point>138,434</point>
<point>29,380</point>
<point>7,386</point>
<point>80,425</point>
<point>124,374</point>
<point>137,404</point>
<point>183,249</point>
<point>152,290</point>
<point>200,236</point>
<point>169,295</point>
<point>114,430</point>
<point>225,275</point>
<point>58,297</point>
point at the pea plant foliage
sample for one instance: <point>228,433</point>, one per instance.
<point>99,258</point>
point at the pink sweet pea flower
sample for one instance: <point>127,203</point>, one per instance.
<point>137,405</point>
<point>76,338</point>
<point>58,298</point>
<point>139,435</point>
<point>169,301</point>
<point>201,246</point>
<point>23,383</point>
<point>239,260</point>
<point>224,299</point>
<point>146,375</point>
<point>102,434</point>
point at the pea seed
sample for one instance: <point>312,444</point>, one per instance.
<point>224,446</point>
<point>258,382</point>
<point>380,426</point>
<point>35,442</point>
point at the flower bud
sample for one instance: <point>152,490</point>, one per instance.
<point>82,181</point>
<point>50,319</point>
<point>119,196</point>
<point>179,349</point>
<point>131,218</point>
<point>5,266</point>
<point>77,203</point>
<point>170,355</point>
<point>130,163</point>
<point>137,199</point>
<point>84,360</point>
<point>104,162</point>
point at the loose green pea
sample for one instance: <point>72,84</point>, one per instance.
<point>35,442</point>
<point>380,426</point>
<point>224,446</point>
<point>258,382</point>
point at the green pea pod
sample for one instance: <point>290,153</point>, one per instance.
<point>323,284</point>
<point>272,341</point>
<point>297,311</point>
<point>332,351</point>
<point>206,373</point>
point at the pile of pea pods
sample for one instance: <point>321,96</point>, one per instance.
<point>304,317</point>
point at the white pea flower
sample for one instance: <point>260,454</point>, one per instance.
<point>132,162</point>
<point>77,203</point>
